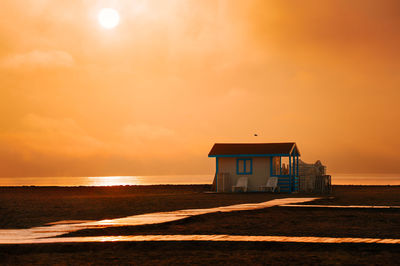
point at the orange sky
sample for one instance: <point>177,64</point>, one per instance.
<point>152,95</point>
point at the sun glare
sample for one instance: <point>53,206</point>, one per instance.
<point>113,180</point>
<point>108,18</point>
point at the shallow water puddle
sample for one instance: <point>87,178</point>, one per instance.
<point>340,206</point>
<point>37,234</point>
<point>216,238</point>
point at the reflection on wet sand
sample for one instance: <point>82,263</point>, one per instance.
<point>220,238</point>
<point>33,235</point>
<point>46,234</point>
<point>340,206</point>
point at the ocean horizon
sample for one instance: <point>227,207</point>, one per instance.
<point>189,179</point>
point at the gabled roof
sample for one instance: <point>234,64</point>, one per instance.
<point>253,149</point>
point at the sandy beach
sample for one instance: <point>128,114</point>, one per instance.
<point>23,207</point>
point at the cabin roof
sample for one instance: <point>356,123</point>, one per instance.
<point>253,149</point>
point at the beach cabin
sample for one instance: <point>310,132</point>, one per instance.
<point>251,167</point>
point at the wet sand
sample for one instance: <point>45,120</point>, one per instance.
<point>25,207</point>
<point>275,221</point>
<point>47,234</point>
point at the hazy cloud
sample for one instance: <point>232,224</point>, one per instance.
<point>144,131</point>
<point>138,140</point>
<point>176,76</point>
<point>39,59</point>
<point>49,136</point>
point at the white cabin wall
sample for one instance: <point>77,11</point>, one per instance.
<point>227,165</point>
<point>261,172</point>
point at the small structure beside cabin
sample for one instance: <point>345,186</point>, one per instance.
<point>250,167</point>
<point>313,178</point>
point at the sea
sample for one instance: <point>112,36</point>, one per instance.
<point>337,179</point>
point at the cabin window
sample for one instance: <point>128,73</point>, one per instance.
<point>244,166</point>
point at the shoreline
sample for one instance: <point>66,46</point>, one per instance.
<point>172,185</point>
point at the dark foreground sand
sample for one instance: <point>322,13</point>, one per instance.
<point>26,207</point>
<point>200,253</point>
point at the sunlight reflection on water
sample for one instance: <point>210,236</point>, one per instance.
<point>114,180</point>
<point>106,180</point>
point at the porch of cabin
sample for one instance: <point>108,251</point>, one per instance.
<point>286,168</point>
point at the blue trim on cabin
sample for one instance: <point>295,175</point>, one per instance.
<point>245,170</point>
<point>250,155</point>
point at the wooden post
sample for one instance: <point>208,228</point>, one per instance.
<point>216,174</point>
<point>290,172</point>
<point>297,172</point>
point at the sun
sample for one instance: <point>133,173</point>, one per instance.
<point>108,18</point>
